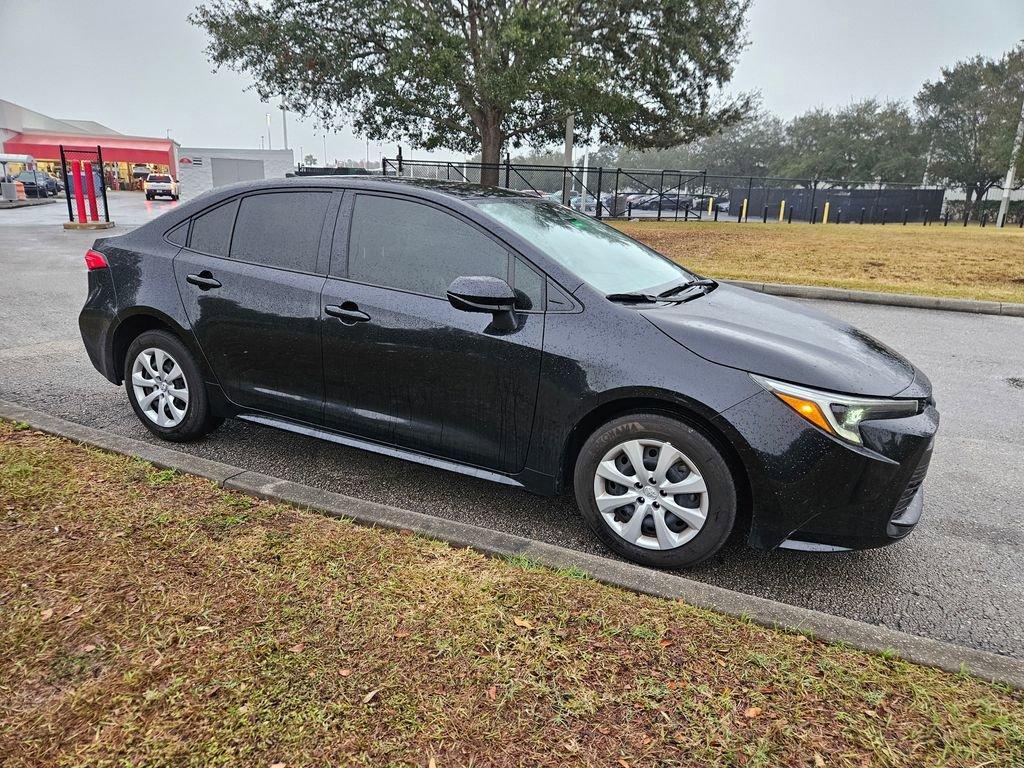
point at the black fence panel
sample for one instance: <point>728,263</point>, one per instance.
<point>700,195</point>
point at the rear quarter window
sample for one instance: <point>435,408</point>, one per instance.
<point>179,234</point>
<point>211,231</point>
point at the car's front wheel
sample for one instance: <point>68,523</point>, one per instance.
<point>166,389</point>
<point>655,490</point>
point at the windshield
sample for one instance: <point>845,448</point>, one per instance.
<point>602,256</point>
<point>159,179</point>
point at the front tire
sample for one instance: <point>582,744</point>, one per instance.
<point>676,511</point>
<point>166,389</point>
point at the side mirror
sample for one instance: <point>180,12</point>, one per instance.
<point>477,293</point>
<point>481,294</point>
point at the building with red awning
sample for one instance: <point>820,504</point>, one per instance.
<point>26,132</point>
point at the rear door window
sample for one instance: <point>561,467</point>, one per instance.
<point>211,231</point>
<point>280,229</point>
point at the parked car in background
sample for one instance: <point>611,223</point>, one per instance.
<point>140,171</point>
<point>481,331</point>
<point>160,185</point>
<point>37,183</point>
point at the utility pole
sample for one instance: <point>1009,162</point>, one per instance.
<point>1004,204</point>
<point>325,150</point>
<point>284,123</point>
<point>270,144</point>
<point>567,162</point>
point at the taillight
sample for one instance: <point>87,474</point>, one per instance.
<point>95,260</point>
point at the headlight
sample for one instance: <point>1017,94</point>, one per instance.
<point>839,415</point>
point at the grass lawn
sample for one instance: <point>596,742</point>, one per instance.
<point>965,263</point>
<point>148,618</point>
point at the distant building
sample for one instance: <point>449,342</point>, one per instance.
<point>203,168</point>
<point>27,132</point>
<point>127,158</point>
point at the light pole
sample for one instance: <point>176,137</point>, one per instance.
<point>567,161</point>
<point>270,144</point>
<point>1004,204</point>
<point>325,150</point>
<point>284,122</point>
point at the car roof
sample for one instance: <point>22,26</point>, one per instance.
<point>459,189</point>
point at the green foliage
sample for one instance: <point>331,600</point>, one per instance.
<point>970,115</point>
<point>485,75</point>
<point>860,142</point>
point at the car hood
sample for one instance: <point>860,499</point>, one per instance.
<point>786,340</point>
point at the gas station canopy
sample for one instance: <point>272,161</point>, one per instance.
<point>124,149</point>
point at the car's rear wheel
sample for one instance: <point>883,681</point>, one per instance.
<point>166,389</point>
<point>655,490</point>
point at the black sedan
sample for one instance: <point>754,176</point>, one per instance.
<point>513,339</point>
<point>37,183</point>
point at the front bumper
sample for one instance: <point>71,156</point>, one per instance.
<point>813,491</point>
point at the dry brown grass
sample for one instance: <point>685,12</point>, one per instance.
<point>151,619</point>
<point>969,263</point>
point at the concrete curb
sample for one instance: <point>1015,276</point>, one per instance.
<point>768,613</point>
<point>889,299</point>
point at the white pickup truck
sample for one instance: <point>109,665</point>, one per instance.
<point>160,184</point>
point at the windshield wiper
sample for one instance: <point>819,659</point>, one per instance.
<point>647,297</point>
<point>700,282</point>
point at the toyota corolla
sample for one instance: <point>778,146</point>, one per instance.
<point>512,339</point>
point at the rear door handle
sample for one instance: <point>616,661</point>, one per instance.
<point>349,313</point>
<point>204,280</point>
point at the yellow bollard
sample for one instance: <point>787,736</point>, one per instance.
<point>824,216</point>
<point>711,202</point>
<point>743,210</point>
<point>782,210</point>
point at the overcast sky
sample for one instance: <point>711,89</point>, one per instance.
<point>144,71</point>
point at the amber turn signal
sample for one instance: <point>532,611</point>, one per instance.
<point>808,409</point>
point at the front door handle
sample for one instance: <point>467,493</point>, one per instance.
<point>204,280</point>
<point>349,313</point>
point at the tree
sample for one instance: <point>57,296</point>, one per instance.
<point>309,159</point>
<point>749,147</point>
<point>485,75</point>
<point>861,142</point>
<point>970,116</point>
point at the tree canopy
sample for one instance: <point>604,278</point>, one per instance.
<point>970,115</point>
<point>486,75</point>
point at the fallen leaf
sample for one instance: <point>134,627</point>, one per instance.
<point>345,672</point>
<point>753,712</point>
<point>88,648</point>
<point>370,696</point>
<point>623,763</point>
<point>402,633</point>
<point>47,614</point>
<point>664,643</point>
<point>298,648</point>
<point>278,765</point>
<point>604,729</point>
<point>492,692</point>
<point>819,761</point>
<point>521,622</point>
<point>869,713</point>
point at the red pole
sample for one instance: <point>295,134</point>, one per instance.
<point>79,197</point>
<point>90,189</point>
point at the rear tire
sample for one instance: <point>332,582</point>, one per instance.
<point>166,389</point>
<point>676,512</point>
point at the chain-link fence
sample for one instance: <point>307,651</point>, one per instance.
<point>700,195</point>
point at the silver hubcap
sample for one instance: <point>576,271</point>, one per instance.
<point>651,494</point>
<point>160,387</point>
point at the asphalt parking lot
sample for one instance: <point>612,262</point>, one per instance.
<point>958,578</point>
